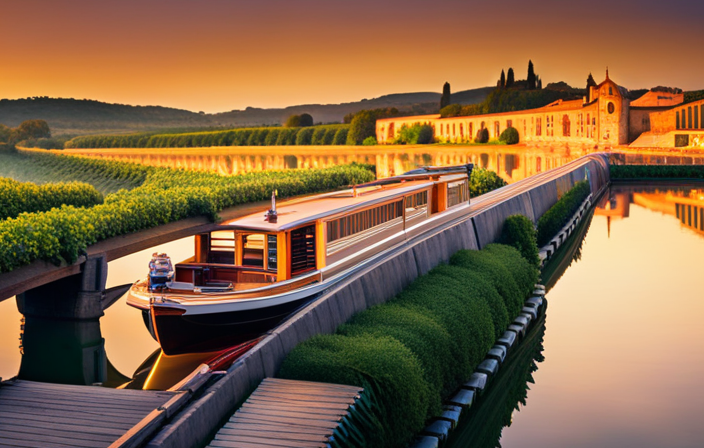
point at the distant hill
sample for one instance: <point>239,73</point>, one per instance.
<point>78,117</point>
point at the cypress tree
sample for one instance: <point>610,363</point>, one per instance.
<point>502,80</point>
<point>590,82</point>
<point>510,78</point>
<point>540,83</point>
<point>531,76</point>
<point>445,98</point>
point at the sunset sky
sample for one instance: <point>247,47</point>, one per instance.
<point>219,55</point>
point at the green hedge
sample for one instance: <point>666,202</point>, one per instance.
<point>509,136</point>
<point>424,343</point>
<point>657,171</point>
<point>518,231</point>
<point>263,136</point>
<point>18,197</point>
<point>165,195</point>
<point>559,214</point>
<point>483,181</point>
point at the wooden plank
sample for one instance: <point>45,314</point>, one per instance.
<point>139,433</point>
<point>304,404</point>
<point>64,427</point>
<point>226,444</point>
<point>91,402</point>
<point>301,415</point>
<point>50,440</point>
<point>268,442</point>
<point>297,387</point>
<point>308,393</point>
<point>303,397</point>
<point>275,435</point>
<point>84,389</point>
<point>77,409</point>
<point>293,421</point>
<point>25,443</point>
<point>321,411</point>
<point>52,432</point>
<point>49,415</point>
<point>271,427</point>
<point>309,383</point>
<point>85,393</point>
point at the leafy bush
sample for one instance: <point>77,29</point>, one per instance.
<point>304,136</point>
<point>19,197</point>
<point>509,136</point>
<point>416,134</point>
<point>452,110</point>
<point>483,181</point>
<point>518,231</point>
<point>161,195</point>
<point>424,343</point>
<point>657,171</point>
<point>559,214</point>
<point>369,141</point>
<point>482,136</point>
<point>318,137</point>
<point>340,137</point>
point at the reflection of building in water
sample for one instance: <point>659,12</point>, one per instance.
<point>511,163</point>
<point>686,205</point>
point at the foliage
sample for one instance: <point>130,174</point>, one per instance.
<point>509,100</point>
<point>590,82</point>
<point>502,80</point>
<point>296,121</point>
<point>694,95</point>
<point>418,134</point>
<point>305,136</point>
<point>510,78</point>
<point>262,136</point>
<point>18,197</point>
<point>422,344</point>
<point>482,136</point>
<point>483,181</point>
<point>531,79</point>
<point>163,195</point>
<point>27,130</point>
<point>452,110</point>
<point>446,95</point>
<point>559,214</point>
<point>363,124</point>
<point>369,141</point>
<point>518,231</point>
<point>340,136</point>
<point>5,134</point>
<point>509,136</point>
<point>657,171</point>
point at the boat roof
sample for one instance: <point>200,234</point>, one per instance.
<point>293,214</point>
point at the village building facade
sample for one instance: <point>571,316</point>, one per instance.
<point>605,118</point>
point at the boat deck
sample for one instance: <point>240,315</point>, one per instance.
<point>288,413</point>
<point>41,414</point>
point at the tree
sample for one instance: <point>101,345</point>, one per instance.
<point>32,129</point>
<point>445,99</point>
<point>502,80</point>
<point>293,121</point>
<point>532,84</point>
<point>540,83</point>
<point>5,134</point>
<point>590,82</point>
<point>363,126</point>
<point>306,120</point>
<point>510,78</point>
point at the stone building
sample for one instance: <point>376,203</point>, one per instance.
<point>604,118</point>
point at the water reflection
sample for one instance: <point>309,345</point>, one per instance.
<point>684,201</point>
<point>508,392</point>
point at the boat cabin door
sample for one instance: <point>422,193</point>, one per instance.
<point>303,250</point>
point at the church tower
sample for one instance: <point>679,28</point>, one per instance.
<point>613,108</point>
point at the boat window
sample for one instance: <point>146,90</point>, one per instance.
<point>253,250</point>
<point>271,252</point>
<point>416,205</point>
<point>457,193</point>
<point>361,221</point>
<point>302,250</point>
<point>222,247</point>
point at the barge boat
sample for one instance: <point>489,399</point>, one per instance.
<point>250,273</point>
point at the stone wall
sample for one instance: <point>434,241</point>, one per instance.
<point>375,284</point>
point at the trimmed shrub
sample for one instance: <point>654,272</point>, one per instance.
<point>559,214</point>
<point>318,137</point>
<point>272,137</point>
<point>304,136</point>
<point>369,141</point>
<point>383,363</point>
<point>340,136</point>
<point>482,136</point>
<point>524,273</point>
<point>416,134</point>
<point>657,171</point>
<point>483,181</point>
<point>330,133</point>
<point>509,136</point>
<point>19,197</point>
<point>518,231</point>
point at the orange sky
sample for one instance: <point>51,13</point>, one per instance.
<point>219,55</point>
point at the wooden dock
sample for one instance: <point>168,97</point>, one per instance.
<point>41,415</point>
<point>296,414</point>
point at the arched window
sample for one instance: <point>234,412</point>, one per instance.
<point>497,128</point>
<point>611,90</point>
<point>391,131</point>
<point>566,126</point>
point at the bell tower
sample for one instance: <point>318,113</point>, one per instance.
<point>613,110</point>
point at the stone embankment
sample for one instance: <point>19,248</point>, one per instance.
<point>375,282</point>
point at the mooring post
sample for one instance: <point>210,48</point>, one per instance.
<point>75,297</point>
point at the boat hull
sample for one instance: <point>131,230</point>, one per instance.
<point>193,333</point>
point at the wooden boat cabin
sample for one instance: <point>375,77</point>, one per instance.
<point>327,233</point>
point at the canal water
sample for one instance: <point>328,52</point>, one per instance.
<point>619,361</point>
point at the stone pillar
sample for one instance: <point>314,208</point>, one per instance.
<point>75,297</point>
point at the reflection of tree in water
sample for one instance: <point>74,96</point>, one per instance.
<point>568,253</point>
<point>484,424</point>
